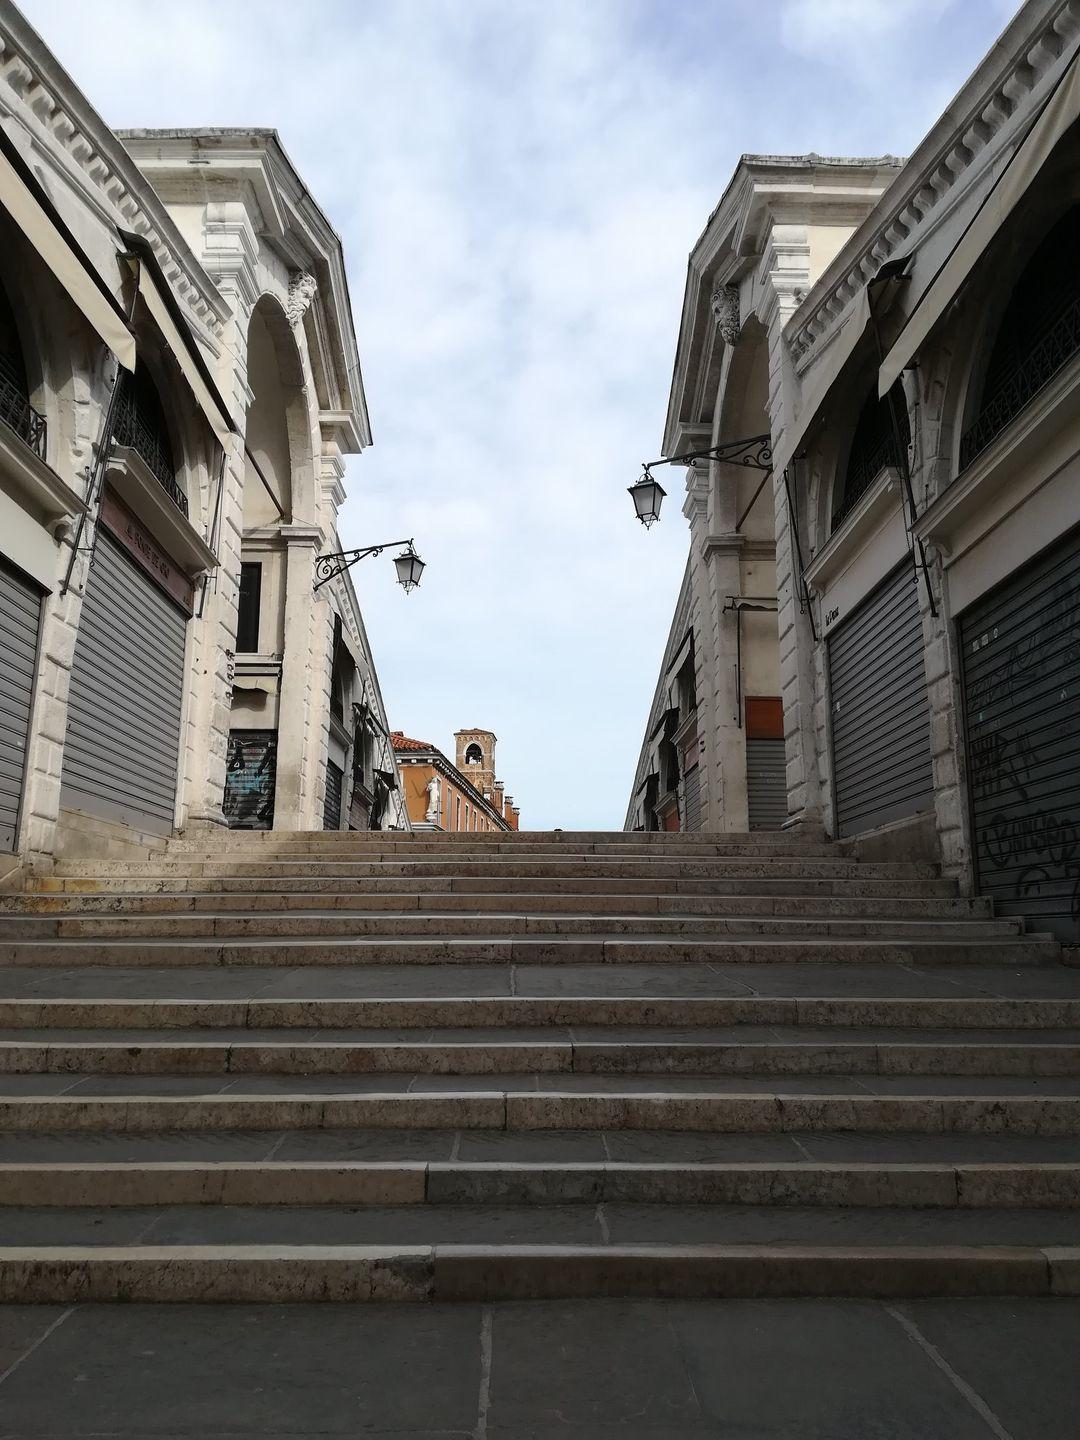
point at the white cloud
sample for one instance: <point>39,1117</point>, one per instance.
<point>517,184</point>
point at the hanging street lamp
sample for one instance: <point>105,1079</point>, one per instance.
<point>408,564</point>
<point>755,452</point>
<point>409,568</point>
<point>647,495</point>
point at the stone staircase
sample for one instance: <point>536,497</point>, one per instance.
<point>341,1066</point>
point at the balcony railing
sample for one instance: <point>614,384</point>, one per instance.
<point>131,430</point>
<point>19,415</point>
<point>862,475</point>
<point>1024,378</point>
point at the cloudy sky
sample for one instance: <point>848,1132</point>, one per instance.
<point>517,184</point>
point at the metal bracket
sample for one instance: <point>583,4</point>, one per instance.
<point>338,561</point>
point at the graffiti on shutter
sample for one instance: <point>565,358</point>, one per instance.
<point>250,778</point>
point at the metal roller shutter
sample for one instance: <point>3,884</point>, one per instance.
<point>20,622</point>
<point>332,799</point>
<point>880,715</point>
<point>766,783</point>
<point>127,685</point>
<point>692,799</point>
<point>1021,679</point>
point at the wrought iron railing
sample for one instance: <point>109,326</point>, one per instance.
<point>862,475</point>
<point>1022,381</point>
<point>19,415</point>
<point>130,429</point>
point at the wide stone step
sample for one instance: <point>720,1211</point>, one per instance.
<point>481,1272</point>
<point>649,1050</point>
<point>573,868</point>
<point>549,1149</point>
<point>417,1182</point>
<point>259,902</point>
<point>846,1013</point>
<point>614,1224</point>
<point>122,883</point>
<point>322,924</point>
<point>531,950</point>
<point>516,839</point>
<point>941,1105</point>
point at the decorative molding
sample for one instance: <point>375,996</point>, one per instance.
<point>302,288</point>
<point>725,308</point>
<point>925,191</point>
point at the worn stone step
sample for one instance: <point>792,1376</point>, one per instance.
<point>305,1103</point>
<point>254,1273</point>
<point>530,950</point>
<point>613,1223</point>
<point>577,867</point>
<point>516,839</point>
<point>327,925</point>
<point>365,1183</point>
<point>123,883</point>
<point>547,1148</point>
<point>276,902</point>
<point>652,1050</point>
<point>480,1011</point>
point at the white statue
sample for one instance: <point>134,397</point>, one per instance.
<point>434,795</point>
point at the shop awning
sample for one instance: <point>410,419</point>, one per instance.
<point>885,286</point>
<point>26,201</point>
<point>168,317</point>
<point>1057,115</point>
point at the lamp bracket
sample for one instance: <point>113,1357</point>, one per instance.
<point>755,452</point>
<point>338,561</point>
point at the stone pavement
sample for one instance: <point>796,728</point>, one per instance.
<point>585,1370</point>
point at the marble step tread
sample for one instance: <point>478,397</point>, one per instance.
<point>269,1273</point>
<point>258,1273</point>
<point>504,1225</point>
<point>304,903</point>
<point>561,949</point>
<point>208,925</point>
<point>439,1182</point>
<point>603,1018</point>
<point>788,984</point>
<point>544,1148</point>
<point>929,1104</point>
<point>594,883</point>
<point>689,867</point>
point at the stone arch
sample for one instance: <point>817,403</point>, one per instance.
<point>473,754</point>
<point>951,373</point>
<point>278,433</point>
<point>742,410</point>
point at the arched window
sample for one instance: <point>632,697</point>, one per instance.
<point>873,447</point>
<point>15,408</point>
<point>474,755</point>
<point>140,424</point>
<point>1038,334</point>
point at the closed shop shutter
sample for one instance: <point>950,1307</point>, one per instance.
<point>332,802</point>
<point>20,619</point>
<point>880,715</point>
<point>766,762</point>
<point>1021,680</point>
<point>250,779</point>
<point>692,799</point>
<point>766,783</point>
<point>124,706</point>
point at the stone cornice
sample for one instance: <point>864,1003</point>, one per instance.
<point>983,118</point>
<point>62,120</point>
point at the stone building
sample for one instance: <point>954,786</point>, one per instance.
<point>179,386</point>
<point>444,796</point>
<point>713,753</point>
<point>922,408</point>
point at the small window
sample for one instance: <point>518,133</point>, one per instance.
<point>247,614</point>
<point>141,426</point>
<point>474,755</point>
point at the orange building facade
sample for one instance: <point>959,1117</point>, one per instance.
<point>443,796</point>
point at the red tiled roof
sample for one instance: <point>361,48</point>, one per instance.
<point>402,742</point>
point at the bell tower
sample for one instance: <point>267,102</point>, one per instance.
<point>476,760</point>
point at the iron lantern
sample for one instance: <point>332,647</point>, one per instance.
<point>409,569</point>
<point>647,496</point>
